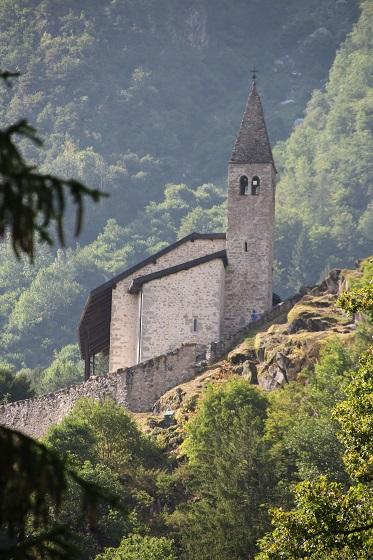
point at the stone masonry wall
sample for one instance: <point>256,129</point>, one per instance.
<point>136,388</point>
<point>250,220</point>
<point>171,305</point>
<point>124,328</point>
<point>217,349</point>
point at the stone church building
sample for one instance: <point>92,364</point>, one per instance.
<point>202,287</point>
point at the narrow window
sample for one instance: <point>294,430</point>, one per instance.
<point>244,183</point>
<point>245,246</point>
<point>255,185</point>
<point>195,325</point>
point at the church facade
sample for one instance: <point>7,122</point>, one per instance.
<point>204,286</point>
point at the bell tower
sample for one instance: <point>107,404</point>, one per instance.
<point>251,217</point>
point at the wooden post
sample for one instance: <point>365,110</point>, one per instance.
<point>87,368</point>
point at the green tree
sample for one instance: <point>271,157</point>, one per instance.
<point>33,479</point>
<point>325,169</point>
<point>13,387</point>
<point>66,369</point>
<point>135,547</point>
<point>105,446</point>
<point>327,523</point>
<point>231,475</point>
<point>300,429</point>
<point>31,201</point>
<point>118,443</point>
<point>355,417</point>
<point>328,520</point>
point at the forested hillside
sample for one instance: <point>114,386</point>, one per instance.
<point>135,94</point>
<point>325,194</point>
<point>132,96</point>
<point>222,469</point>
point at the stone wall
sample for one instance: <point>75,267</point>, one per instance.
<point>146,382</point>
<point>250,238</point>
<point>216,350</point>
<point>124,329</point>
<point>136,388</point>
<point>174,305</point>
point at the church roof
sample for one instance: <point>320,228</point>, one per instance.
<point>138,282</point>
<point>252,143</point>
<point>94,325</point>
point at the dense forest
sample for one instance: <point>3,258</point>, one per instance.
<point>143,100</point>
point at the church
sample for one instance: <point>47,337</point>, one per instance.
<point>202,287</point>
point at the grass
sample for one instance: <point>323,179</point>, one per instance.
<point>316,312</point>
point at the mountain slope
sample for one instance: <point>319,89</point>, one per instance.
<point>324,204</point>
<point>273,355</point>
<point>40,305</point>
<point>133,95</point>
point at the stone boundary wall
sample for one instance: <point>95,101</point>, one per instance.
<point>136,388</point>
<point>216,350</point>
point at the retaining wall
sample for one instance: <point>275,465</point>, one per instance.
<point>216,350</point>
<point>136,388</point>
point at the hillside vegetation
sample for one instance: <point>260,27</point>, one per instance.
<point>135,94</point>
<point>207,480</point>
<point>324,203</point>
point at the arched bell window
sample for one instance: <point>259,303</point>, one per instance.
<point>244,184</point>
<point>255,185</point>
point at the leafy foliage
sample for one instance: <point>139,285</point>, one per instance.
<point>229,465</point>
<point>324,210</point>
<point>131,97</point>
<point>359,299</point>
<point>33,482</point>
<point>66,369</point>
<point>136,546</point>
<point>355,417</point>
<point>329,521</point>
<point>105,446</point>
<point>116,439</point>
<point>30,201</point>
<point>300,428</point>
<point>13,387</point>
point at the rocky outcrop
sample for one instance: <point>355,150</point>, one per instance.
<point>274,353</point>
<point>280,353</point>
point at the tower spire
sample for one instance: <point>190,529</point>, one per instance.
<point>252,143</point>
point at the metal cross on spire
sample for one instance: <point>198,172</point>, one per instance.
<point>254,71</point>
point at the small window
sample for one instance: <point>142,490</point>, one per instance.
<point>244,184</point>
<point>245,246</point>
<point>255,185</point>
<point>195,325</point>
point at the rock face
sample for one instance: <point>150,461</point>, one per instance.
<point>274,354</point>
<point>280,353</point>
